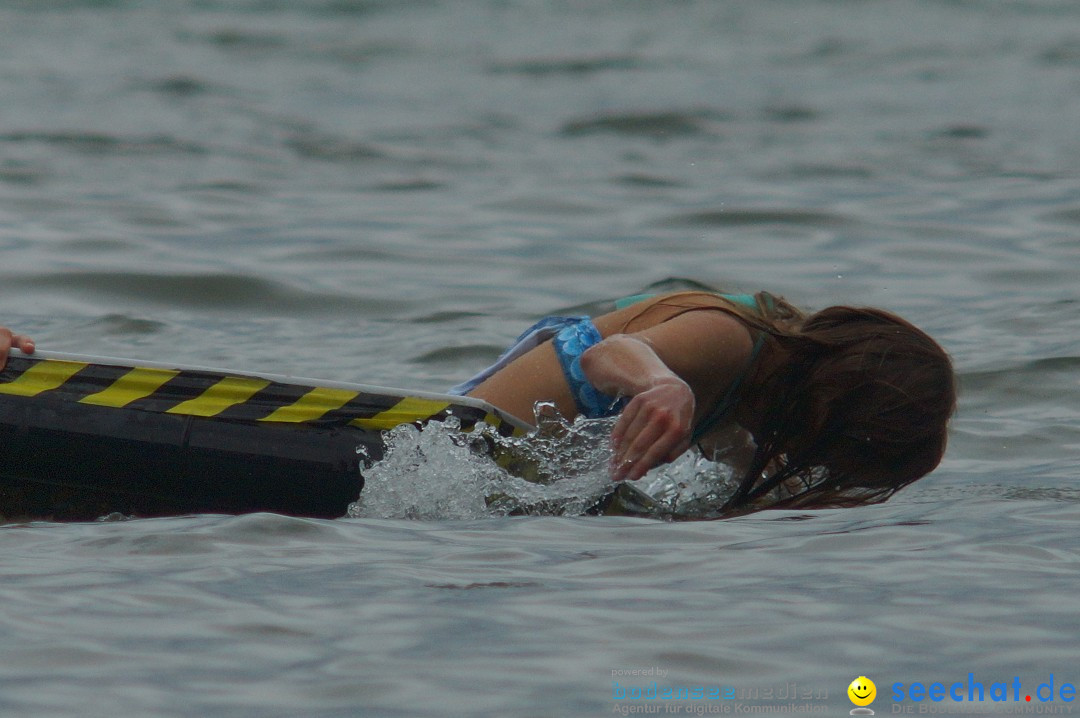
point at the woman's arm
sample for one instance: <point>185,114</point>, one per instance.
<point>9,339</point>
<point>675,372</point>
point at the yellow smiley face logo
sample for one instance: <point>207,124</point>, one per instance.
<point>862,691</point>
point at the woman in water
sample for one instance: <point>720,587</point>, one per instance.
<point>844,406</point>
<point>840,407</point>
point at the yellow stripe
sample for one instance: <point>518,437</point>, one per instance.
<point>495,421</point>
<point>230,391</point>
<point>43,376</point>
<point>136,384</point>
<point>312,405</point>
<point>407,410</point>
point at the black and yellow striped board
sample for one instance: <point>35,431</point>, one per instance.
<point>82,437</point>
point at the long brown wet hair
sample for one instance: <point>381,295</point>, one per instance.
<point>859,409</point>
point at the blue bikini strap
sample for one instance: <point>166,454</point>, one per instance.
<point>569,344</point>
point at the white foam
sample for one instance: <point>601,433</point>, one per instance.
<point>562,468</point>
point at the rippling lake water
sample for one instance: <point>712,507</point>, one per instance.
<point>387,192</point>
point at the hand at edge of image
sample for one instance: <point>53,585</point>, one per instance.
<point>9,340</point>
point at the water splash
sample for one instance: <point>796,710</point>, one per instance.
<point>561,468</point>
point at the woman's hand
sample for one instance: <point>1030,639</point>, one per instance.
<point>654,428</point>
<point>9,339</point>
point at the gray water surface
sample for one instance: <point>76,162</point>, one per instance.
<point>387,192</point>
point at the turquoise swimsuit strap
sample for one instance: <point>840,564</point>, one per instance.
<point>747,300</point>
<point>731,397</point>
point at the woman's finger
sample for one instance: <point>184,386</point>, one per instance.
<point>624,423</point>
<point>634,419</point>
<point>659,442</point>
<point>633,451</point>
